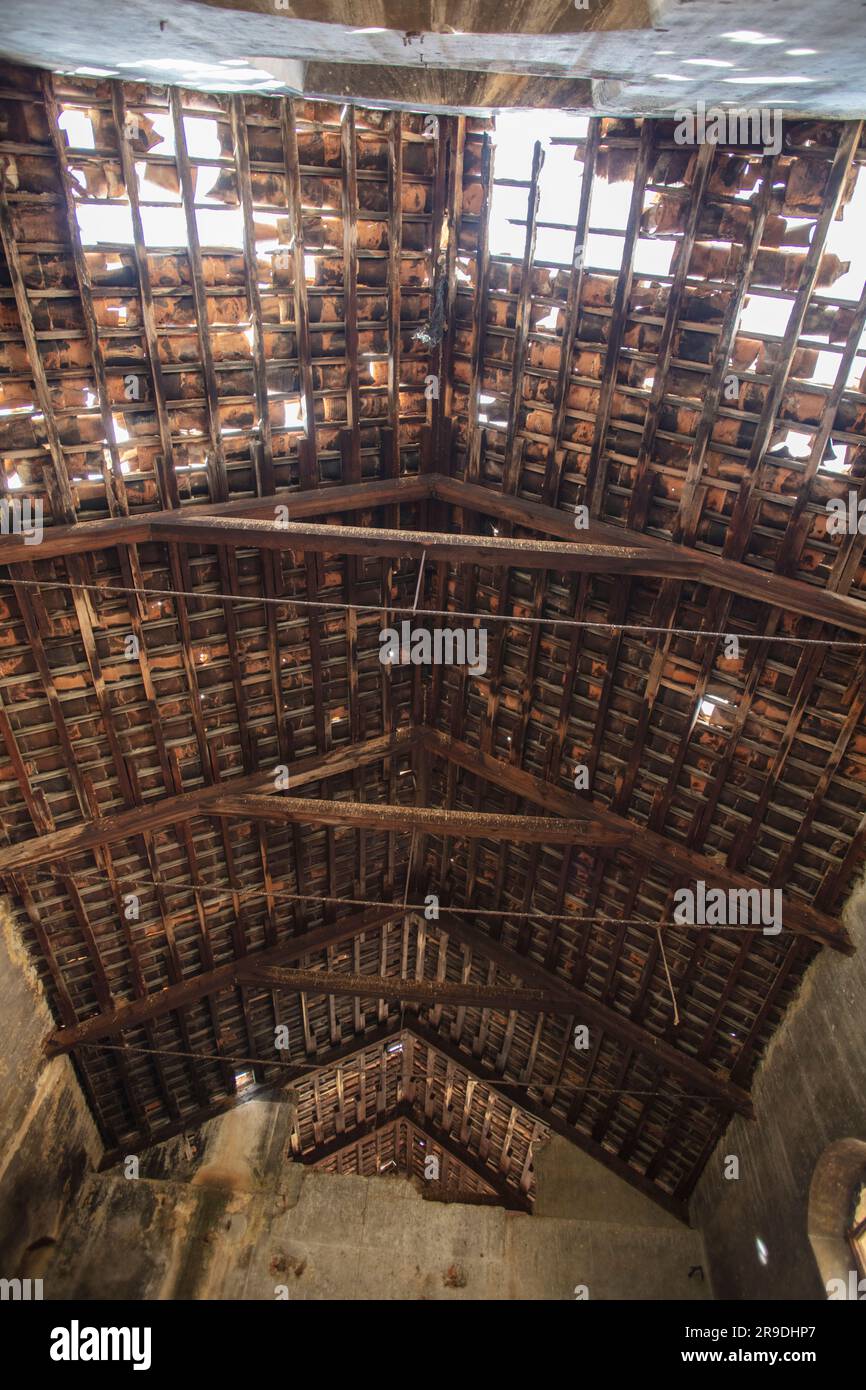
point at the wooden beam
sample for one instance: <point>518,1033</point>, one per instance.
<point>179,996</point>
<point>699,1079</point>
<point>128,530</point>
<point>204,801</point>
<point>426,992</point>
<point>647,844</point>
<point>374,815</point>
<point>621,557</point>
<point>662,559</point>
<point>602,549</point>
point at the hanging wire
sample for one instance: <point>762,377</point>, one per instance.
<point>195,886</point>
<point>290,602</point>
<point>305,1069</point>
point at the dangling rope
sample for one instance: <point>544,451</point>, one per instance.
<point>669,980</point>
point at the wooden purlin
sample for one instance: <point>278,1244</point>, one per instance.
<point>596,472</point>
<point>294,200</point>
<point>744,511</point>
<point>686,522</point>
<point>479,312</point>
<point>165,466</point>
<point>800,916</point>
<point>510,465</point>
<point>553,471</point>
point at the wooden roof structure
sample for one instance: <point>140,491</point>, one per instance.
<point>221,811</point>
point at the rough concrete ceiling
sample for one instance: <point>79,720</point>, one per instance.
<point>618,57</point>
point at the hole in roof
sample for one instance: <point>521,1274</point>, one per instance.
<point>78,128</point>
<point>610,203</point>
<point>708,707</point>
<point>220,227</point>
<point>845,239</point>
<point>765,314</point>
<point>202,137</point>
<point>149,191</point>
<point>514,138</point>
<point>794,444</point>
<point>604,252</point>
<point>653,256</point>
<point>293,414</point>
<point>104,225</point>
<point>836,459</point>
<point>824,372</point>
<point>164,226</point>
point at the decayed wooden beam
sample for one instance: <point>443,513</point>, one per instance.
<point>115,488</point>
<point>122,531</point>
<point>705,1082</point>
<point>799,916</point>
<point>745,505</point>
<point>685,523</point>
<point>251,274</point>
<point>512,456</point>
<point>302,309</point>
<point>172,810</point>
<point>211,387</point>
<point>642,484</point>
<point>426,992</point>
<point>379,816</point>
<point>348,209</point>
<point>618,558</point>
<point>674,561</point>
<point>600,549</point>
<point>181,995</point>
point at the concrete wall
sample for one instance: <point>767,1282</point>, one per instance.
<point>227,1217</point>
<point>48,1141</point>
<point>809,1093</point>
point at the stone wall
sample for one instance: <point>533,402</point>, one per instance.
<point>809,1094</point>
<point>48,1141</point>
<point>224,1215</point>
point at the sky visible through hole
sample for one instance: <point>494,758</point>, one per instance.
<point>559,196</point>
<point>221,227</point>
